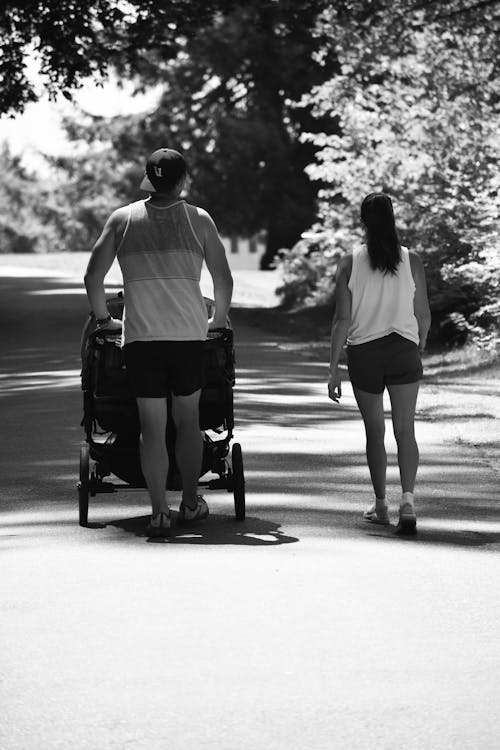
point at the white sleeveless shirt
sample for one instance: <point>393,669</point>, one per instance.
<point>381,303</point>
<point>161,260</point>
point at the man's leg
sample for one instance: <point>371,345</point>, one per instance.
<point>153,450</point>
<point>188,444</point>
<point>371,406</point>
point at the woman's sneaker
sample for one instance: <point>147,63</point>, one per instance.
<point>407,520</point>
<point>189,515</point>
<point>160,526</point>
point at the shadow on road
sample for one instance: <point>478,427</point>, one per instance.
<point>259,532</point>
<point>441,537</point>
<point>219,529</point>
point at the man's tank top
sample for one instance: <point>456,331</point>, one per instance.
<point>161,259</point>
<point>381,303</point>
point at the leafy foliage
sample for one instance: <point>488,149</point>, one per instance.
<point>417,107</point>
<point>400,96</point>
<point>73,40</point>
<point>94,180</point>
<point>30,215</point>
<point>227,104</point>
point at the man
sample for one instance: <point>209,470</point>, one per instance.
<point>160,244</point>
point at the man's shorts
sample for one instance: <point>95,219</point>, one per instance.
<point>156,368</point>
<point>390,360</point>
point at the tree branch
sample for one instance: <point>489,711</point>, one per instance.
<point>423,6</point>
<point>469,9</point>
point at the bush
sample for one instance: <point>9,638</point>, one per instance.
<point>308,272</point>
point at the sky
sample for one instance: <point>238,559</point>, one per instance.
<point>39,127</point>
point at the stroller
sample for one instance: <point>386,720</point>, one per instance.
<point>111,419</point>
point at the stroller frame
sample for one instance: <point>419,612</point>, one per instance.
<point>100,446</point>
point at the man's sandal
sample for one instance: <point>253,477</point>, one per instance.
<point>189,515</point>
<point>160,526</point>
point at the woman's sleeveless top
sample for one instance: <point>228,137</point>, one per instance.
<point>161,260</point>
<point>381,303</point>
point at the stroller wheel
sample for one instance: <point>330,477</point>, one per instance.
<point>83,486</point>
<point>238,482</point>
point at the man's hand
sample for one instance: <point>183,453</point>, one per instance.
<point>113,324</point>
<point>334,386</point>
<point>213,324</point>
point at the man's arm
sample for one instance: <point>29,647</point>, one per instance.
<point>215,258</point>
<point>101,260</point>
<point>420,301</point>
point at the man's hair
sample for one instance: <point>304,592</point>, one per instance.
<point>384,247</point>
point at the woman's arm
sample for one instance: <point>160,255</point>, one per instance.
<point>341,320</point>
<point>420,301</point>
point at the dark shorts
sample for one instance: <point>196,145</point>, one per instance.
<point>390,360</point>
<point>156,368</point>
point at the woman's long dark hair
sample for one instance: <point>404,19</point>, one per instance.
<point>384,248</point>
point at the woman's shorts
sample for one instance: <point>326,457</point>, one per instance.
<point>390,360</point>
<point>156,368</point>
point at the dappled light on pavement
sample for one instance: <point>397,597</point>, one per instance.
<point>303,455</point>
<point>29,381</point>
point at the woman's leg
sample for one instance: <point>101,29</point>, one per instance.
<point>153,450</point>
<point>371,406</point>
<point>403,402</point>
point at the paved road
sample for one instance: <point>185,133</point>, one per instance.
<point>300,628</point>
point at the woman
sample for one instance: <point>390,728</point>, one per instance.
<point>382,310</point>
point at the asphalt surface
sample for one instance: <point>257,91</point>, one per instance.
<point>301,627</point>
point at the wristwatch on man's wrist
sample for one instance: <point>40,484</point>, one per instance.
<point>103,321</point>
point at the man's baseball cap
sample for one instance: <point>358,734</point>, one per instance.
<point>164,168</point>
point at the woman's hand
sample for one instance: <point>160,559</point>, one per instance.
<point>334,386</point>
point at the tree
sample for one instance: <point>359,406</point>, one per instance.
<point>227,104</point>
<point>29,218</point>
<point>73,40</point>
<point>417,105</point>
<point>231,70</point>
